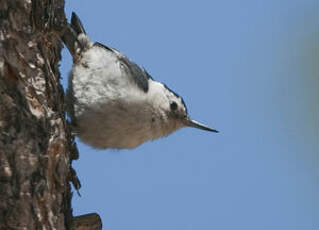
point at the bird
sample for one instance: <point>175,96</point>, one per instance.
<point>112,102</point>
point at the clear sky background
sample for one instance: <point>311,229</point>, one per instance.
<point>248,68</point>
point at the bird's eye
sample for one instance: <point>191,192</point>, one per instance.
<point>173,106</point>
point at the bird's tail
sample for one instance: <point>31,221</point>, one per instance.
<point>75,37</point>
<point>76,24</point>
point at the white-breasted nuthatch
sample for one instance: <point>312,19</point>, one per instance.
<point>112,102</point>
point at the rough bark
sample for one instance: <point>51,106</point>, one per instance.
<point>87,222</point>
<point>35,143</point>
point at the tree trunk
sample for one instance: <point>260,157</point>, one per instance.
<point>36,148</point>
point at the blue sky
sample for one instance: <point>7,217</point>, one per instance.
<point>248,68</point>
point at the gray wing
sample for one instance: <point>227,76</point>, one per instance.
<point>139,75</point>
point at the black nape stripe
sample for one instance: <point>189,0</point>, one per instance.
<point>147,74</point>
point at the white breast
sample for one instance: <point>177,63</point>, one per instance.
<point>112,112</point>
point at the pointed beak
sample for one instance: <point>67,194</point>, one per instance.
<point>195,124</point>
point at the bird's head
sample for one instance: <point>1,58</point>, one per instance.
<point>176,111</point>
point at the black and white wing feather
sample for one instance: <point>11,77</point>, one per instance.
<point>139,75</point>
